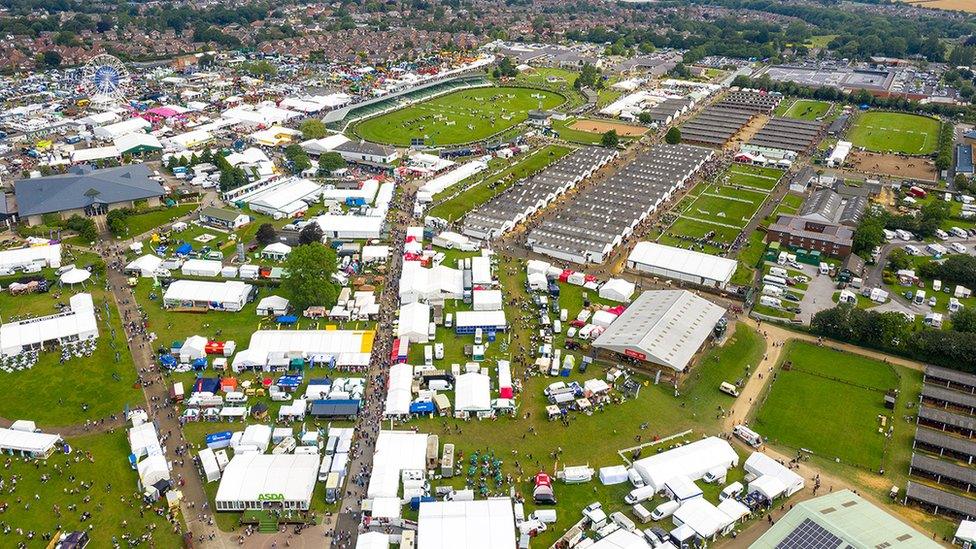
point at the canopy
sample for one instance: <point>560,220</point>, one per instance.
<point>613,475</point>
<point>471,393</point>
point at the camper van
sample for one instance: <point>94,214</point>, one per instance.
<point>774,280</point>
<point>547,516</point>
<point>638,495</point>
<point>778,271</point>
<point>428,355</point>
<point>449,320</point>
<point>770,301</point>
<point>728,389</point>
<point>920,297</point>
<point>665,510</point>
<point>957,248</point>
<point>438,351</point>
<point>432,330</point>
<point>478,336</point>
<point>751,437</point>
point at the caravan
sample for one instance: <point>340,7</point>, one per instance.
<point>750,437</point>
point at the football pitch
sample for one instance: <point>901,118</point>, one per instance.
<point>801,409</point>
<point>895,132</point>
<point>457,118</point>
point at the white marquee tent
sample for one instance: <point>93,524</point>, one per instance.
<point>395,451</point>
<point>145,265</point>
<point>472,393</point>
<point>398,391</point>
<point>483,524</point>
<point>255,481</point>
<point>414,321</point>
<point>691,460</point>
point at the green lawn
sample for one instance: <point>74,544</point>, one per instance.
<point>562,127</point>
<point>495,182</point>
<point>895,132</point>
<point>109,483</point>
<point>757,177</point>
<point>807,109</point>
<point>143,222</point>
<point>724,205</point>
<point>55,394</point>
<point>743,349</point>
<point>802,407</point>
<point>460,117</point>
<point>554,79</point>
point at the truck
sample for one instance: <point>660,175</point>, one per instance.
<point>747,435</point>
<point>332,488</point>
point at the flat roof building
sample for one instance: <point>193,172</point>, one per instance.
<point>681,264</point>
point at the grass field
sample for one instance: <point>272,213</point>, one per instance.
<point>55,394</point>
<point>496,182</point>
<point>801,409</point>
<point>143,222</point>
<point>756,177</point>
<point>109,484</point>
<point>554,79</point>
<point>807,109</point>
<point>568,133</point>
<point>460,117</point>
<point>895,132</point>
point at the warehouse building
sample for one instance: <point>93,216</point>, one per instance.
<point>503,212</point>
<point>663,327</point>
<point>841,519</point>
<point>782,136</point>
<point>825,223</point>
<point>681,264</point>
<point>587,228</point>
<point>366,153</point>
<point>85,191</point>
<point>253,481</point>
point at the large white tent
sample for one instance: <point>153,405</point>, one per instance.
<point>665,327</point>
<point>47,255</point>
<point>78,324</point>
<point>153,469</point>
<point>451,178</point>
<point>621,539</point>
<point>347,347</point>
<point>398,393</point>
<point>483,524</point>
<point>681,264</point>
<point>420,284</point>
<point>701,516</point>
<point>617,289</point>
<point>230,295</point>
<point>472,393</point>
<point>691,460</point>
<point>201,267</point>
<point>143,440</point>
<point>486,300</point>
<point>27,443</point>
<point>761,465</point>
<point>414,322</point>
<point>395,451</point>
<point>258,481</point>
<point>373,540</point>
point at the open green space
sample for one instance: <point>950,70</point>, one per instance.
<point>495,182</point>
<point>56,394</point>
<point>895,132</point>
<point>461,117</point>
<point>553,79</point>
<point>566,133</point>
<point>757,177</point>
<point>143,222</point>
<point>807,109</point>
<point>801,408</point>
<point>725,206</point>
<point>95,479</point>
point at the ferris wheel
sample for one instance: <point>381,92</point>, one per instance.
<point>104,79</point>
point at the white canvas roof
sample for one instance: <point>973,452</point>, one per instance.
<point>350,226</point>
<point>691,460</point>
<point>471,393</point>
<point>451,178</point>
<point>485,524</point>
<point>272,302</point>
<point>395,451</point>
<point>480,270</point>
<point>486,300</point>
<point>230,291</point>
<point>733,508</point>
<point>479,318</point>
<point>14,336</point>
<point>19,257</point>
<point>144,440</point>
<point>277,248</point>
<point>398,392</point>
<point>414,321</point>
<point>760,465</point>
<point>201,267</point>
<point>386,508</point>
<point>153,469</point>
<point>615,474</point>
<point>23,441</point>
<point>767,485</point>
<point>617,289</point>
<point>146,265</point>
<point>349,347</point>
<point>703,517</point>
<point>621,539</point>
<point>418,283</point>
<point>666,327</point>
<point>250,475</point>
<point>680,260</point>
<point>373,540</point>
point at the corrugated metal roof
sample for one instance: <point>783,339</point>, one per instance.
<point>82,187</point>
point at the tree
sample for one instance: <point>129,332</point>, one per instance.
<point>308,278</point>
<point>51,58</point>
<point>673,137</point>
<point>266,234</point>
<point>645,118</point>
<point>610,139</point>
<point>869,233</point>
<point>964,320</point>
<point>330,162</point>
<point>310,234</point>
<point>298,158</point>
<point>899,259</point>
<point>313,129</point>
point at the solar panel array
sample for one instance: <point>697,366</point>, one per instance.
<point>810,535</point>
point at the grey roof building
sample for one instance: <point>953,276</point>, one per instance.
<point>86,189</point>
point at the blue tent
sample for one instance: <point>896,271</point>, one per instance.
<point>291,382</point>
<point>184,249</point>
<point>216,441</point>
<point>286,319</point>
<point>206,385</point>
<point>320,381</point>
<point>417,500</point>
<point>424,407</point>
<point>168,361</point>
<point>199,363</point>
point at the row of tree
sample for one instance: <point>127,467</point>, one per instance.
<point>892,332</point>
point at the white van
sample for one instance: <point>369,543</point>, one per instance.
<point>665,510</point>
<point>428,355</point>
<point>920,297</point>
<point>636,480</point>
<point>728,389</point>
<point>438,351</point>
<point>730,491</point>
<point>957,247</point>
<point>778,271</point>
<point>478,336</point>
<point>638,495</point>
<point>449,320</point>
<point>432,330</point>
<point>547,516</point>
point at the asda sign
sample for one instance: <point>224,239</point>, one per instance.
<point>271,497</point>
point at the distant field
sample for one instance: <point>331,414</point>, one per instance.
<point>895,132</point>
<point>460,117</point>
<point>802,409</point>
<point>957,5</point>
<point>806,109</point>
